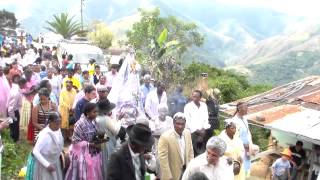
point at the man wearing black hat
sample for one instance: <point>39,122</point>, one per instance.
<point>128,162</point>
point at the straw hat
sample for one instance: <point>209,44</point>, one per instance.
<point>286,152</point>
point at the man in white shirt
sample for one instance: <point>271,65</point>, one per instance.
<point>175,149</point>
<point>196,113</point>
<point>112,74</point>
<point>212,163</point>
<point>154,98</point>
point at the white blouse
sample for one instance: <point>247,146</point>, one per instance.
<point>48,146</point>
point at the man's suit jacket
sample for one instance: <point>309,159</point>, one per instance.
<point>120,165</point>
<point>169,154</point>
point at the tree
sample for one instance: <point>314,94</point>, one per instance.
<point>160,43</point>
<point>8,20</point>
<point>101,36</point>
<point>64,25</point>
<point>232,86</point>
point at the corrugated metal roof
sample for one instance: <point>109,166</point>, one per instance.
<point>292,108</point>
<point>313,97</point>
<point>273,114</point>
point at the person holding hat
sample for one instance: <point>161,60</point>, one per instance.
<point>128,162</point>
<point>281,167</point>
<point>235,149</point>
<point>212,162</point>
<point>107,126</point>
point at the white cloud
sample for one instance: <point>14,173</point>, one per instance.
<point>21,10</point>
<point>146,4</point>
<point>307,8</point>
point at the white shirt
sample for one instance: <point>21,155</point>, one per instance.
<point>222,171</point>
<point>56,83</point>
<point>152,103</point>
<point>48,147</point>
<point>196,117</point>
<point>136,163</point>
<point>158,127</point>
<point>110,78</point>
<point>182,145</point>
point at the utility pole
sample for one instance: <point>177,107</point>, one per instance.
<point>81,14</point>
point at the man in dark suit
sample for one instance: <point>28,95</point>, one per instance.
<point>128,162</point>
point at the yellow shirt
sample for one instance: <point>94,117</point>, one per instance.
<point>91,69</point>
<point>75,81</point>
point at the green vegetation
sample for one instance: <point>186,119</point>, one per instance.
<point>288,68</point>
<point>160,42</point>
<point>64,25</point>
<point>231,85</point>
<point>100,35</point>
<point>14,156</point>
<point>8,20</point>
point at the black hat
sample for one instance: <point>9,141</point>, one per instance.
<point>140,134</point>
<point>105,106</point>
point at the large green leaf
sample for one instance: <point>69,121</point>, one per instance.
<point>163,37</point>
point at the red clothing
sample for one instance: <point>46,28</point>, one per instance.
<point>14,72</point>
<point>65,62</point>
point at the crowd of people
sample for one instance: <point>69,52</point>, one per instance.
<point>78,133</point>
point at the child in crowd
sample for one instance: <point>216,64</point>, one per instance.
<point>43,73</point>
<point>281,167</point>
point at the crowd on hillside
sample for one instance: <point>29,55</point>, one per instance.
<point>88,124</point>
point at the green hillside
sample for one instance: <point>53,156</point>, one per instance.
<point>287,68</point>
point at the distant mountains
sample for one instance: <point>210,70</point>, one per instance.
<point>283,58</point>
<point>268,46</point>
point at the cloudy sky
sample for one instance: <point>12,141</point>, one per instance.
<point>306,8</point>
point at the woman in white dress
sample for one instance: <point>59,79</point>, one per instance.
<point>48,149</point>
<point>235,149</point>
